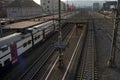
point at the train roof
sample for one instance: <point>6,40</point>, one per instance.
<point>41,26</point>
<point>10,39</point>
<point>22,24</point>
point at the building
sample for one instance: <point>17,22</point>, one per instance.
<point>63,6</point>
<point>3,3</point>
<point>51,6</point>
<point>109,5</point>
<point>96,6</point>
<point>20,9</point>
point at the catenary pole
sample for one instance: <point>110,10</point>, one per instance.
<point>111,61</point>
<point>60,36</point>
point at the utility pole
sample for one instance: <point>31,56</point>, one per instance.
<point>60,45</point>
<point>53,14</point>
<point>111,61</point>
<point>60,38</point>
<point>67,5</point>
<point>104,10</point>
<point>0,30</point>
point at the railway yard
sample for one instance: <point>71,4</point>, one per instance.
<point>87,37</point>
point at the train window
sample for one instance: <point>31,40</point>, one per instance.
<point>43,3</point>
<point>25,44</point>
<point>35,38</point>
<point>3,49</point>
<point>7,62</point>
<point>38,36</point>
<point>47,6</point>
<point>29,42</point>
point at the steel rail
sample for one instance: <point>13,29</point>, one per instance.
<point>34,76</point>
<point>38,59</point>
<point>87,63</point>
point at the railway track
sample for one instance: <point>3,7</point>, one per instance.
<point>36,76</point>
<point>87,69</point>
<point>33,70</point>
<point>109,36</point>
<point>106,22</point>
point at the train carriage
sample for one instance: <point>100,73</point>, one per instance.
<point>24,44</point>
<point>49,29</point>
<point>37,35</point>
<point>14,45</point>
<point>43,29</point>
<point>8,49</point>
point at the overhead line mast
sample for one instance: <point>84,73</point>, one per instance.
<point>60,37</point>
<point>111,61</point>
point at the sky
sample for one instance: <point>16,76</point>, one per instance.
<point>38,1</point>
<point>80,2</point>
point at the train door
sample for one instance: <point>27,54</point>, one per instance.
<point>14,55</point>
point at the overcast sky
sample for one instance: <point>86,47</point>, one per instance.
<point>38,1</point>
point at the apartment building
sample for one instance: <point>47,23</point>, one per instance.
<point>51,6</point>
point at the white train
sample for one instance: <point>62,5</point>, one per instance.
<point>14,45</point>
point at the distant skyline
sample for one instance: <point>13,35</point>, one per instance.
<point>81,2</point>
<point>38,1</point>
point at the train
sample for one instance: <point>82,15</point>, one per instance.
<point>16,44</point>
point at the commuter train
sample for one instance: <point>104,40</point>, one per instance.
<point>14,45</point>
